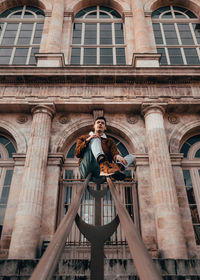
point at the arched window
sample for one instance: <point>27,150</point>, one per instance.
<point>68,189</point>
<point>191,173</point>
<point>6,171</point>
<point>98,37</point>
<point>20,35</point>
<point>177,35</point>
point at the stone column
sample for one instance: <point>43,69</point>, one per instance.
<point>170,237</point>
<point>54,58</point>
<point>143,56</point>
<point>13,198</point>
<point>26,231</point>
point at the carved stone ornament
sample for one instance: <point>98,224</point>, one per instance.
<point>132,119</point>
<point>22,119</point>
<point>174,119</point>
<point>63,119</point>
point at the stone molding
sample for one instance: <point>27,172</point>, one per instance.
<point>97,113</point>
<point>50,59</point>
<point>43,109</point>
<point>19,159</point>
<point>142,159</point>
<point>153,108</point>
<point>146,59</point>
<point>55,159</point>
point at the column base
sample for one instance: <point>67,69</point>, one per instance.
<point>50,59</point>
<point>146,59</point>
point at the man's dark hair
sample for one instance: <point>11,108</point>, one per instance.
<point>101,118</point>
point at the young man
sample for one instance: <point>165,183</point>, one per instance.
<point>96,153</point>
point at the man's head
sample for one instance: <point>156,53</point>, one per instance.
<point>100,125</point>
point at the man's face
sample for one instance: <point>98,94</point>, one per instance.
<point>99,126</point>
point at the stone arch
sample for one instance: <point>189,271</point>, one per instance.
<point>120,6</point>
<point>6,127</point>
<point>192,5</point>
<point>180,134</point>
<point>66,137</point>
<point>6,4</point>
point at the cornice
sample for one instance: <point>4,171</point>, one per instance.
<point>99,75</point>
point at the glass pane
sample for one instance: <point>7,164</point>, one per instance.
<point>175,56</point>
<point>85,11</point>
<point>170,34</point>
<point>167,15</point>
<point>38,33</point>
<point>179,15</point>
<point>163,59</point>
<point>28,15</point>
<point>90,34</point>
<point>184,10</point>
<point>16,15</point>
<point>194,213</point>
<point>189,187</point>
<point>120,56</point>
<point>185,34</point>
<point>10,34</point>
<point>197,233</point>
<point>5,55</point>
<point>192,56</point>
<point>159,11</point>
<point>106,56</point>
<point>75,55</point>
<point>6,187</point>
<point>25,34</point>
<point>196,28</point>
<point>71,153</point>
<point>92,15</point>
<point>90,56</point>
<point>2,213</point>
<point>197,155</point>
<point>4,140</point>
<point>104,15</point>
<point>36,10</point>
<point>11,149</point>
<point>20,56</point>
<point>119,34</point>
<point>77,31</point>
<point>157,33</point>
<point>105,33</point>
<point>32,59</point>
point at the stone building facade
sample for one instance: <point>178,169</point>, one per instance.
<point>62,63</point>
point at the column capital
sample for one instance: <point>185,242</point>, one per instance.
<point>153,108</point>
<point>44,109</point>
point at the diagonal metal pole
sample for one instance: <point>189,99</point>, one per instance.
<point>145,267</point>
<point>47,265</point>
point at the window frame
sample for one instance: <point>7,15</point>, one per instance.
<point>98,46</point>
<point>4,21</point>
<point>180,46</point>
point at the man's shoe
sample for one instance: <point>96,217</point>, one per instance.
<point>108,169</point>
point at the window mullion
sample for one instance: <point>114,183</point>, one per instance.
<point>98,43</point>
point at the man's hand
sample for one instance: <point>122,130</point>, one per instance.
<point>121,159</point>
<point>91,137</point>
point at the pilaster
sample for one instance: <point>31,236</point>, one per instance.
<point>52,57</point>
<point>143,56</point>
<point>171,241</point>
<point>26,230</point>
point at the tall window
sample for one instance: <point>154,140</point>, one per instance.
<point>6,171</point>
<point>20,35</point>
<point>191,172</point>
<point>177,35</point>
<point>98,37</point>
